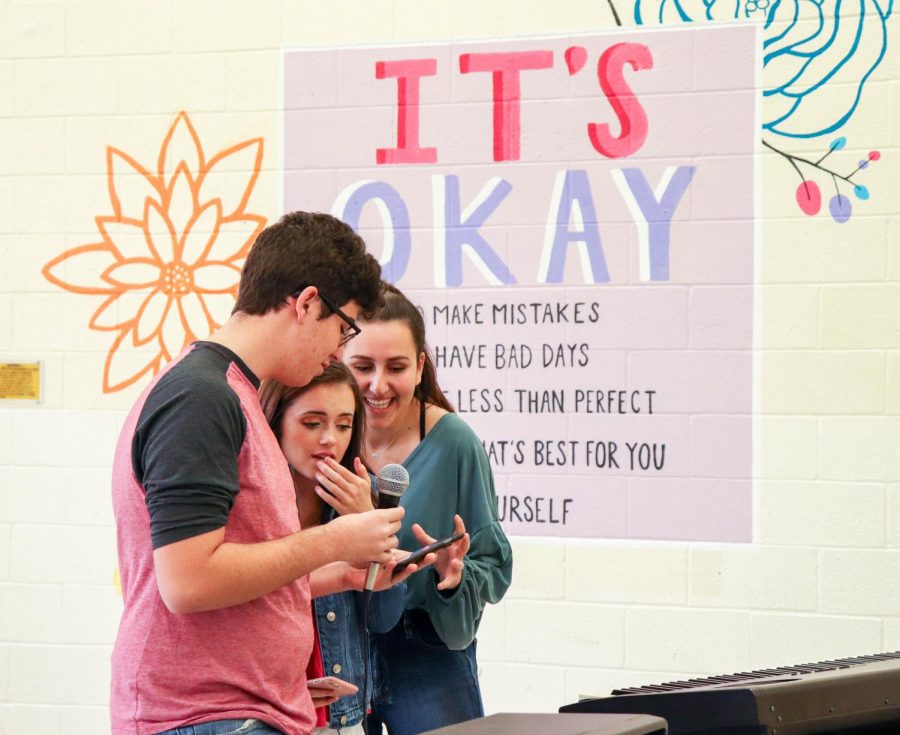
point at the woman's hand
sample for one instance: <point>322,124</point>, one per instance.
<point>322,697</point>
<point>343,490</point>
<point>328,690</point>
<point>386,578</point>
<point>449,561</point>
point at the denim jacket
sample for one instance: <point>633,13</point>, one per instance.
<point>342,639</point>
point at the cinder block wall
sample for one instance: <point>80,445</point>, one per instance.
<point>582,616</point>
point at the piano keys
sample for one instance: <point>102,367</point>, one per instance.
<point>857,695</point>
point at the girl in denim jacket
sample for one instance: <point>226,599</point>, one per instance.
<point>320,429</point>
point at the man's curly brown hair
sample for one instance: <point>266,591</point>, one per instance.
<point>308,249</point>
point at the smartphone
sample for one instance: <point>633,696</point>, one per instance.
<point>340,687</point>
<point>417,556</point>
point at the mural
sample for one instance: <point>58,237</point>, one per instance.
<point>577,223</point>
<point>817,58</point>
<point>170,254</point>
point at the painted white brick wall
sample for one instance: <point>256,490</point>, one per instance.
<point>7,205</point>
<point>42,623</point>
<point>66,86</point>
<point>4,674</point>
<point>809,252</point>
<point>82,719</point>
<point>31,718</point>
<point>6,434</point>
<point>580,632</point>
<point>90,31</point>
<point>32,30</point>
<point>822,514</point>
<point>522,688</point>
<point>51,554</point>
<point>6,88</point>
<point>892,634</point>
<point>544,561</point>
<point>893,371</point>
<point>194,82</point>
<point>790,316</point>
<point>789,447</point>
<point>5,533</point>
<point>492,634</point>
<point>67,438</point>
<point>581,617</point>
<point>776,639</point>
<point>859,582</point>
<point>59,674</point>
<point>893,515</point>
<point>861,449</point>
<point>671,639</point>
<point>823,382</point>
<point>754,578</point>
<point>90,613</point>
<point>642,575</point>
<point>33,146</point>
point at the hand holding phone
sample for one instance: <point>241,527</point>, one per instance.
<point>420,554</point>
<point>448,564</point>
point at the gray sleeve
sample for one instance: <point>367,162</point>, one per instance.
<point>185,455</point>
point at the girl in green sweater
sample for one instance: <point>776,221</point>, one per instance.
<point>431,676</point>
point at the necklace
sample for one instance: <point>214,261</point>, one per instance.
<point>380,452</point>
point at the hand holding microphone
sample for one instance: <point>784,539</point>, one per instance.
<point>370,536</point>
<point>391,483</point>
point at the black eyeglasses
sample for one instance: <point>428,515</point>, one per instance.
<point>348,332</point>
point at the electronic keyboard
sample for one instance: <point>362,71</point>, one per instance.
<point>857,696</point>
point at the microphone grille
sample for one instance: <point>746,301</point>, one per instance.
<point>393,479</point>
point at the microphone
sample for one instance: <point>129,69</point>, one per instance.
<point>391,482</point>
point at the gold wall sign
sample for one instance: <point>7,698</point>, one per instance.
<point>20,381</point>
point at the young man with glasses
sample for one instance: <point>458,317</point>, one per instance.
<point>216,574</point>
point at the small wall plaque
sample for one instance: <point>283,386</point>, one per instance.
<point>20,381</point>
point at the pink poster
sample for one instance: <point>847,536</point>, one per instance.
<point>575,217</point>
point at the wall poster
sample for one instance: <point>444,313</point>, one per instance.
<point>575,217</point>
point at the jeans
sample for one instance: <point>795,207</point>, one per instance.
<point>428,685</point>
<point>226,727</point>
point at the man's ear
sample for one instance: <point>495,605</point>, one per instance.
<point>304,302</point>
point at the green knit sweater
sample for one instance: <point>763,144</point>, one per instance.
<point>450,473</point>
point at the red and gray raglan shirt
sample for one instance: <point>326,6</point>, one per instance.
<point>196,454</point>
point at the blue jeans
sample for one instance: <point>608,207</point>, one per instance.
<point>427,685</point>
<point>226,727</point>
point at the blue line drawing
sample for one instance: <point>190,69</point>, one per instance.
<point>817,54</point>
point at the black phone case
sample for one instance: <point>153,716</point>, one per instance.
<point>420,554</point>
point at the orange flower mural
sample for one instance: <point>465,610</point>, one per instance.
<point>171,251</point>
